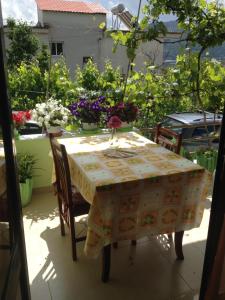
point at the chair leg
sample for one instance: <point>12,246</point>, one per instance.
<point>133,242</point>
<point>115,245</point>
<point>73,238</point>
<point>178,245</point>
<point>106,255</point>
<point>62,226</point>
<point>170,236</point>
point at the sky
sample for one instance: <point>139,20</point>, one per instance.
<point>26,9</point>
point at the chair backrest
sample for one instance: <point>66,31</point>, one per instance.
<point>62,172</point>
<point>168,139</point>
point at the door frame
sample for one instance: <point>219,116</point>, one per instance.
<point>17,275</point>
<point>216,215</point>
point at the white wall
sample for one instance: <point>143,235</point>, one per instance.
<point>82,37</point>
<point>79,33</point>
<point>119,58</point>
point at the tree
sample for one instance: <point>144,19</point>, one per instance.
<point>202,22</point>
<point>23,43</point>
<point>43,58</point>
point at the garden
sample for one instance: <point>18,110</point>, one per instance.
<point>86,101</point>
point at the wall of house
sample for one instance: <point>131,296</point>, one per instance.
<point>79,34</point>
<point>82,37</point>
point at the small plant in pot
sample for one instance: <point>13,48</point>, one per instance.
<point>88,112</point>
<point>26,166</point>
<point>52,115</point>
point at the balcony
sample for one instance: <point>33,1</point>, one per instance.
<point>147,271</point>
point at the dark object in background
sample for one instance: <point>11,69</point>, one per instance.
<point>30,127</point>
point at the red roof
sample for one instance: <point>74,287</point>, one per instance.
<point>71,6</point>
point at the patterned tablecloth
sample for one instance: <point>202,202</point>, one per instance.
<point>2,171</point>
<point>155,191</point>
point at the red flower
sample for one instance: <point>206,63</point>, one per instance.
<point>27,115</point>
<point>114,122</point>
<point>20,117</point>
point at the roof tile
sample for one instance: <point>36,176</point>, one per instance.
<point>82,7</point>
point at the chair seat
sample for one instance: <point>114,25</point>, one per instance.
<point>80,205</point>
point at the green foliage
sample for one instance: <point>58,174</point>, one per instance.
<point>43,58</point>
<point>61,87</point>
<point>26,86</point>
<point>88,78</point>
<point>91,83</point>
<point>23,44</point>
<point>26,166</point>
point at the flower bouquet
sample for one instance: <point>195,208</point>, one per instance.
<point>19,119</point>
<point>126,111</point>
<point>52,115</point>
<point>114,150</point>
<point>88,112</point>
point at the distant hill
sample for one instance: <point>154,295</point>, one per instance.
<point>172,50</point>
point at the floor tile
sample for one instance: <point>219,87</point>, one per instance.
<point>147,271</point>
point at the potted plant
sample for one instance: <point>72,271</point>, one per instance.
<point>52,115</point>
<point>88,112</point>
<point>19,119</point>
<point>126,111</point>
<point>26,164</point>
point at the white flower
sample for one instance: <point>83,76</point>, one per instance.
<point>51,112</point>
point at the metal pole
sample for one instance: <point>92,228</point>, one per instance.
<point>130,62</point>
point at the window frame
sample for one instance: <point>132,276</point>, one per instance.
<point>56,48</point>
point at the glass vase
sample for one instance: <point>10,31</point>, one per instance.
<point>113,138</point>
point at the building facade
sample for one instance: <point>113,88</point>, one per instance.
<point>71,29</point>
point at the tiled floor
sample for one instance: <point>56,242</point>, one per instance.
<point>147,271</point>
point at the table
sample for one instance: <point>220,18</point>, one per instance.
<point>153,192</point>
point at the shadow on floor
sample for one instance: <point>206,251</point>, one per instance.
<point>147,271</point>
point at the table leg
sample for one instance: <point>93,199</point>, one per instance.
<point>106,255</point>
<point>178,244</point>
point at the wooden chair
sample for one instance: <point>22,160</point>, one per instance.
<point>71,203</point>
<point>168,139</point>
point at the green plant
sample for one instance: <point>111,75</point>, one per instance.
<point>23,43</point>
<point>88,78</point>
<point>26,166</point>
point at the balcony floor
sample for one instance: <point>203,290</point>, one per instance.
<point>147,271</point>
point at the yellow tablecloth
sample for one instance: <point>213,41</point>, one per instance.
<point>156,191</point>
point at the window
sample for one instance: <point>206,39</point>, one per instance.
<point>86,59</point>
<point>57,48</point>
<point>169,122</point>
<point>199,131</point>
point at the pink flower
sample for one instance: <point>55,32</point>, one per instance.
<point>114,122</point>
